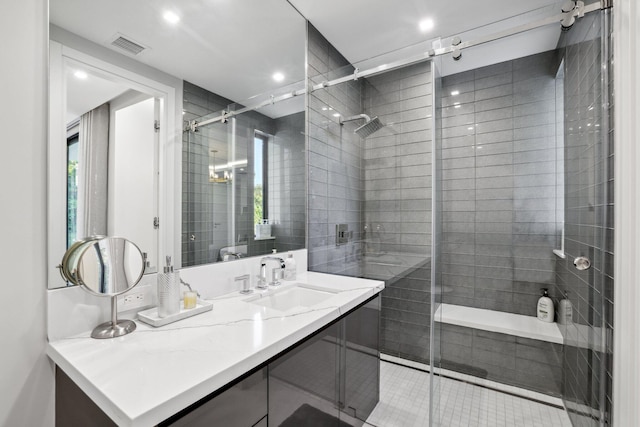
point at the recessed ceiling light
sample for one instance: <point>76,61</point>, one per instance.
<point>426,25</point>
<point>336,115</point>
<point>171,17</point>
<point>324,108</point>
<point>80,75</point>
<point>278,77</point>
<point>455,92</point>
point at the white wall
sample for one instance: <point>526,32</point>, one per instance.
<point>133,175</point>
<point>26,375</point>
<point>626,352</point>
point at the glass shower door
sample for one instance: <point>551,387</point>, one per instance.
<point>586,275</point>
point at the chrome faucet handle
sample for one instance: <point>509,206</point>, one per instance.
<point>277,274</point>
<point>246,283</point>
<point>262,280</point>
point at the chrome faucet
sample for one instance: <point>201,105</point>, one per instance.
<point>262,279</point>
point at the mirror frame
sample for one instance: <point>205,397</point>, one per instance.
<point>169,151</point>
<point>82,251</point>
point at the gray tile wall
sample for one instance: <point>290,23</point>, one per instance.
<point>205,205</point>
<point>406,314</point>
<point>397,161</point>
<point>499,184</point>
<point>501,214</point>
<point>204,213</point>
<point>380,187</point>
<point>588,224</point>
<point>397,207</point>
<point>503,205</point>
<point>336,174</point>
<point>287,178</point>
<point>522,362</point>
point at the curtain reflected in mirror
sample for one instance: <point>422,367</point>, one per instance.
<point>91,172</point>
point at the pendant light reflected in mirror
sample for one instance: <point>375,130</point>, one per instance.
<point>218,176</point>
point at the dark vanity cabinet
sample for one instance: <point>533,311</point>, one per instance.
<point>303,382</point>
<point>242,405</point>
<point>74,408</point>
<point>360,361</point>
<point>329,379</point>
<point>333,378</point>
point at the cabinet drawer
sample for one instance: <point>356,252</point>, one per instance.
<point>242,405</point>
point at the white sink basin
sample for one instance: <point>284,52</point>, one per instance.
<point>298,295</point>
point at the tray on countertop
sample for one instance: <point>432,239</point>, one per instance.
<point>150,316</point>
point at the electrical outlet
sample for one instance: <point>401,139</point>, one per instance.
<point>133,299</point>
<point>140,296</point>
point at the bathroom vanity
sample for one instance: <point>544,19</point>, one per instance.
<point>307,349</point>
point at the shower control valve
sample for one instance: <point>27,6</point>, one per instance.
<point>582,263</point>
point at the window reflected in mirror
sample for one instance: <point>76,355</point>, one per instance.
<point>260,179</point>
<point>72,186</point>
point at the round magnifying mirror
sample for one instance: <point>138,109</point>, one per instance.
<point>110,266</point>
<point>105,266</point>
<point>69,265</point>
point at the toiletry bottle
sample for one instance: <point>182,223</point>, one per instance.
<point>168,291</point>
<point>545,307</point>
<point>290,268</point>
<point>565,311</point>
<point>164,291</point>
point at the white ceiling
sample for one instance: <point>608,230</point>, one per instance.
<point>363,29</point>
<point>88,93</point>
<point>229,47</point>
<point>233,47</point>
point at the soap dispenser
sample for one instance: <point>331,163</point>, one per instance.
<point>168,291</point>
<point>545,307</point>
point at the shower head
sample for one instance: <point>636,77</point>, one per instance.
<point>370,126</point>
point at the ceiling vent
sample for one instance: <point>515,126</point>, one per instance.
<point>126,45</point>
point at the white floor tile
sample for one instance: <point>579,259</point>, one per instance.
<point>404,401</point>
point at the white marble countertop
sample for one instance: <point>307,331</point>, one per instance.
<point>145,377</point>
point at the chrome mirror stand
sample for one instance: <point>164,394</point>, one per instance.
<point>106,267</point>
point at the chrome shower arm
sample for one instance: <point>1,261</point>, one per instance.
<point>356,117</point>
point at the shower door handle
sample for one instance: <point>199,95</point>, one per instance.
<point>582,263</point>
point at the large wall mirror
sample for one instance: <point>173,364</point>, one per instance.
<point>243,181</point>
<point>233,188</point>
<point>103,155</point>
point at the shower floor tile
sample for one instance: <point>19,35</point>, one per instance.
<point>404,402</point>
